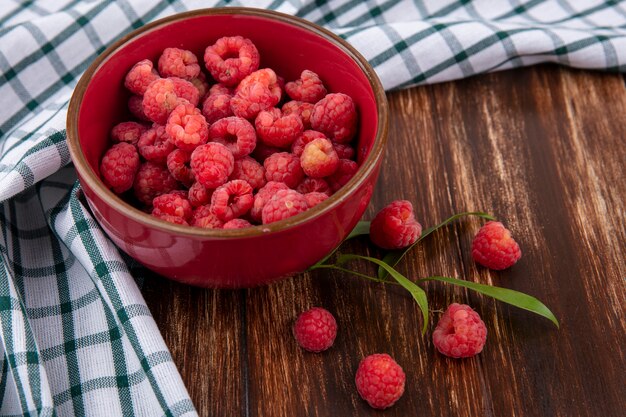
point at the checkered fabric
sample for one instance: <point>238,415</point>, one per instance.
<point>76,336</point>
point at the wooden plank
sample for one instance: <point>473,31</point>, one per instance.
<point>541,148</point>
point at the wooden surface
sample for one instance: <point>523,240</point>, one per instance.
<point>541,148</point>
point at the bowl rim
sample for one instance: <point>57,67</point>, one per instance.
<point>94,182</point>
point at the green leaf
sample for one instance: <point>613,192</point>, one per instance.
<point>512,297</point>
<point>392,258</point>
<point>361,228</point>
<point>416,292</point>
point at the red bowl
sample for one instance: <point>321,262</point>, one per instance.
<point>228,258</point>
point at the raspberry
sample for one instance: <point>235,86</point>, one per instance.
<point>231,59</point>
<point>171,204</point>
<point>314,198</point>
<point>335,116</point>
<point>237,224</point>
<point>135,105</point>
<point>494,248</point>
<point>160,99</point>
<point>152,180</point>
<point>257,92</point>
<point>300,108</point>
<point>268,78</point>
<point>199,195</point>
<point>319,159</point>
<point>263,196</point>
<point>232,200</point>
<point>212,164</point>
<point>187,127</point>
<point>173,219</point>
<point>180,63</point>
<point>178,165</point>
<point>249,170</point>
<point>309,88</point>
<point>236,134</point>
<point>276,129</point>
<point>127,132</point>
<point>155,144</point>
<point>186,90</point>
<point>315,329</point>
<point>216,107</point>
<point>283,167</point>
<point>314,185</point>
<point>140,76</point>
<point>460,332</point>
<point>203,217</point>
<point>307,137</point>
<point>380,380</point>
<point>344,151</point>
<point>395,227</point>
<point>220,89</point>
<point>119,166</point>
<point>344,173</point>
<point>262,151</point>
<point>284,204</point>
<point>201,85</point>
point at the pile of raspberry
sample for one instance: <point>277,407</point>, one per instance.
<point>249,149</point>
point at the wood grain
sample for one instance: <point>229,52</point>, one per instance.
<point>541,148</point>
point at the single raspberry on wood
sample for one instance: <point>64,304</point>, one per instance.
<point>178,165</point>
<point>380,380</point>
<point>494,248</point>
<point>155,144</point>
<point>460,332</point>
<point>284,167</point>
<point>129,132</point>
<point>315,329</point>
<point>140,76</point>
<point>308,88</point>
<point>231,58</point>
<point>175,62</point>
<point>301,109</point>
<point>187,127</point>
<point>276,129</point>
<point>335,116</point>
<point>236,133</point>
<point>395,227</point>
<point>232,200</point>
<point>152,180</point>
<point>249,170</point>
<point>212,164</point>
<point>319,159</point>
<point>284,204</point>
<point>263,196</point>
<point>119,166</point>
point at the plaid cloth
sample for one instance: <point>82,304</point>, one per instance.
<point>76,335</point>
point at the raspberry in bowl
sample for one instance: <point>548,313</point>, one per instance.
<point>195,162</point>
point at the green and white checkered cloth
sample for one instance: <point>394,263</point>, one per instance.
<point>76,336</point>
